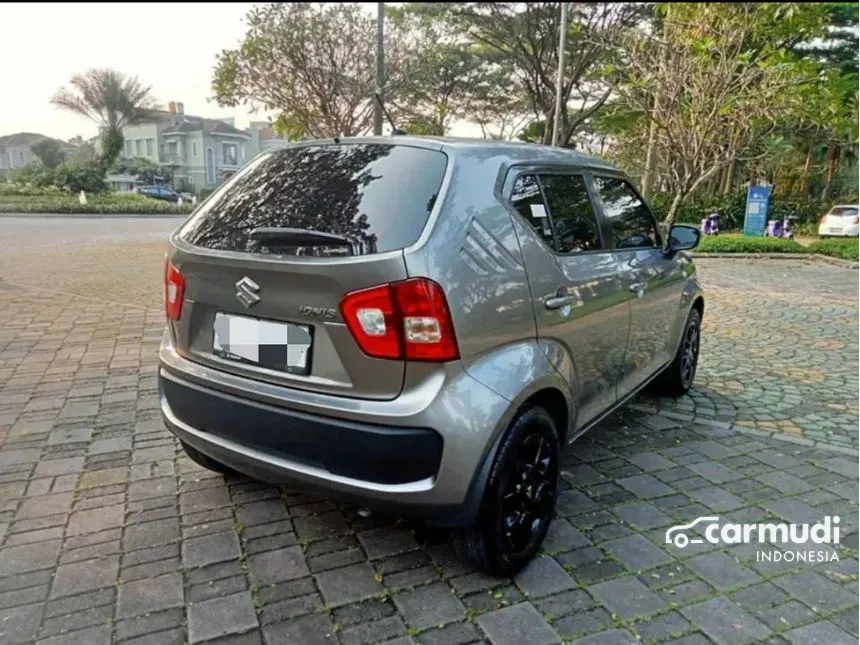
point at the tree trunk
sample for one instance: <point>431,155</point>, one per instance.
<point>649,157</point>
<point>728,177</point>
<point>832,163</point>
<point>673,211</point>
<point>805,185</point>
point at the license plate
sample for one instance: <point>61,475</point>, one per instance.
<point>834,230</point>
<point>274,345</point>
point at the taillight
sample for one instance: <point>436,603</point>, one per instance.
<point>174,291</point>
<point>855,219</point>
<point>407,320</point>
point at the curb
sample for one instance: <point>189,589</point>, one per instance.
<point>808,257</point>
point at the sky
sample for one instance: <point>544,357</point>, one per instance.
<point>170,46</point>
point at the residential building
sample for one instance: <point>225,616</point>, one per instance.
<point>201,152</point>
<point>15,149</point>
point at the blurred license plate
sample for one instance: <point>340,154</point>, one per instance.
<point>832,231</point>
<point>275,345</point>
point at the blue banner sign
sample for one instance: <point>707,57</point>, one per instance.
<point>755,217</point>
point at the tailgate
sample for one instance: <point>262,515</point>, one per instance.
<point>303,294</point>
<point>267,258</point>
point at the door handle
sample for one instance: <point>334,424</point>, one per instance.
<point>557,302</point>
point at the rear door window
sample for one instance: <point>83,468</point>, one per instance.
<point>843,211</point>
<point>376,197</point>
<point>573,216</point>
<point>527,198</point>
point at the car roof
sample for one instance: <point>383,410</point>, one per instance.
<point>844,206</point>
<point>515,151</point>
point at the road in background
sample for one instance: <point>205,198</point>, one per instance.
<point>110,258</point>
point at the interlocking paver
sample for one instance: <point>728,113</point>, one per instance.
<point>726,623</point>
<point>349,584</point>
<point>101,516</point>
<point>428,606</point>
<point>518,624</point>
<point>221,616</point>
<point>627,597</point>
<point>277,566</point>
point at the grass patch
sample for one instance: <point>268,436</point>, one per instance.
<point>108,204</point>
<point>845,249</point>
<point>741,244</point>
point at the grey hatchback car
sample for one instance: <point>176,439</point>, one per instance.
<point>420,324</point>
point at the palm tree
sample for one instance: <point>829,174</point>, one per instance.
<point>110,99</point>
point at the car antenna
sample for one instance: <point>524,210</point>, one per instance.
<point>394,129</point>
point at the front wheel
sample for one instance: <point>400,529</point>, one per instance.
<point>677,379</point>
<point>519,501</point>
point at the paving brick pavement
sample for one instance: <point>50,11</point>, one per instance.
<point>109,534</point>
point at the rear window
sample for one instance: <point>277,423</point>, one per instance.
<point>842,210</point>
<point>377,197</point>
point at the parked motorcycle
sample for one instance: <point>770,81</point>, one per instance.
<point>711,224</point>
<point>782,228</point>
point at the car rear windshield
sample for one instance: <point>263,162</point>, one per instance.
<point>844,211</point>
<point>368,198</point>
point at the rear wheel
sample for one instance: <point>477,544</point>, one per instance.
<point>677,379</point>
<point>519,501</point>
<point>207,462</point>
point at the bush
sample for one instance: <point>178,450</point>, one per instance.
<point>846,249</point>
<point>76,178</point>
<point>732,208</point>
<point>744,244</point>
<point>69,176</point>
<point>113,203</point>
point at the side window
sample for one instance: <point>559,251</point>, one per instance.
<point>573,216</point>
<point>632,223</point>
<point>527,199</point>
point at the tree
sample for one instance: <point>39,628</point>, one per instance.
<point>725,79</point>
<point>85,152</point>
<point>525,38</point>
<point>313,64</point>
<point>49,152</point>
<point>446,75</point>
<point>110,99</point>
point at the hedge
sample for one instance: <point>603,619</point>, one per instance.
<point>121,204</point>
<point>744,244</point>
<point>846,249</point>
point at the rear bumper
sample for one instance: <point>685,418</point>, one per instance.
<point>839,231</point>
<point>423,454</point>
<point>378,457</point>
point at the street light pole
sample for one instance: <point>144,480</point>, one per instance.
<point>380,66</point>
<point>562,42</point>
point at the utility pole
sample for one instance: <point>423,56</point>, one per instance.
<point>562,42</point>
<point>380,66</point>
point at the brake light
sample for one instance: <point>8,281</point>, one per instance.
<point>855,219</point>
<point>407,320</point>
<point>174,291</point>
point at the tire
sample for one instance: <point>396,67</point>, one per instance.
<point>529,453</point>
<point>207,462</point>
<point>677,379</point>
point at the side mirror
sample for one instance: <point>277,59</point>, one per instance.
<point>682,238</point>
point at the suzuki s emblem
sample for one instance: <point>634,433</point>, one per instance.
<point>246,292</point>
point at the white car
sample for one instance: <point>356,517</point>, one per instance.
<point>842,220</point>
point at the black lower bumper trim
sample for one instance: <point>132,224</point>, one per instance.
<point>371,453</point>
